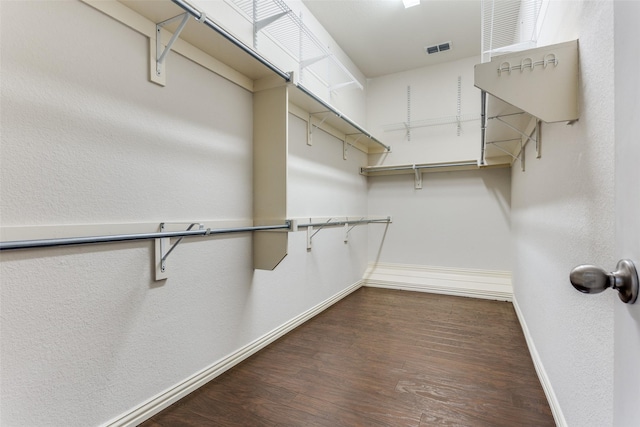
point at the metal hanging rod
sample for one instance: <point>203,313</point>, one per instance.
<point>68,241</point>
<point>201,17</point>
<point>336,223</point>
<point>483,126</point>
<point>370,169</point>
<point>330,223</point>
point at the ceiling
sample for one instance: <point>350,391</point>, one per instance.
<point>382,37</point>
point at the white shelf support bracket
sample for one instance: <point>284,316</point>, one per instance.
<point>310,233</point>
<point>339,86</point>
<point>459,108</point>
<point>347,229</point>
<point>408,123</point>
<point>310,61</point>
<point>346,145</point>
<point>158,69</point>
<point>538,139</point>
<point>259,25</point>
<point>418,175</point>
<point>162,253</point>
<point>313,126</point>
<point>518,131</point>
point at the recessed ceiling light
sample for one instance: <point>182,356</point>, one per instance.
<point>410,3</point>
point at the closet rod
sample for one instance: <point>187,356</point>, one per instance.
<point>370,169</point>
<point>339,114</point>
<point>46,243</point>
<point>202,17</point>
<point>483,125</point>
<point>355,222</point>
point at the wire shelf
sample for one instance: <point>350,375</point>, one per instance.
<point>274,19</point>
<point>509,26</point>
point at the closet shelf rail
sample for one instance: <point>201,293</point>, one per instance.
<point>68,241</point>
<point>408,168</point>
<point>346,223</point>
<point>308,94</point>
<point>202,17</point>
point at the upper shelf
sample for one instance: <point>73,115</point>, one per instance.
<point>211,38</point>
<point>520,90</point>
<point>541,81</point>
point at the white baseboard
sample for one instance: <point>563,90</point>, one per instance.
<point>488,284</point>
<point>172,395</point>
<point>556,409</point>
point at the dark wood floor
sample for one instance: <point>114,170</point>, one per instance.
<point>381,358</point>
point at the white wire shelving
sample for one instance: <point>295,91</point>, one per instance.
<point>275,20</point>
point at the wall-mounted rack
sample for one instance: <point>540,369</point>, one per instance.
<point>208,43</point>
<point>89,240</point>
<point>506,131</point>
<point>275,19</point>
<point>418,168</point>
<point>164,246</point>
<point>411,124</point>
<point>348,223</point>
<point>519,91</point>
<point>276,93</point>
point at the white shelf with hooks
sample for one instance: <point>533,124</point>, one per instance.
<point>521,90</point>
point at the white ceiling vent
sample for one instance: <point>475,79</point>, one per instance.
<point>440,47</point>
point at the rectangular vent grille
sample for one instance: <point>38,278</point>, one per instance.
<point>441,47</point>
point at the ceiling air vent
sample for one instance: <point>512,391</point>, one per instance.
<point>441,47</point>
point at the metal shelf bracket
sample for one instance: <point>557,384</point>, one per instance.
<point>347,229</point>
<point>162,253</point>
<point>158,73</point>
<point>310,232</point>
<point>313,126</point>
<point>418,174</point>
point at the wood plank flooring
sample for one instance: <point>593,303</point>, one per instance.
<point>381,358</point>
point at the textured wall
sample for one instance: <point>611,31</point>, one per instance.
<point>87,334</point>
<point>562,216</point>
<point>433,95</point>
<point>457,219</point>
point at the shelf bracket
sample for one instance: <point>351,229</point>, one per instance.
<point>347,229</point>
<point>162,253</point>
<point>345,144</point>
<point>518,131</point>
<point>538,139</point>
<point>259,25</point>
<point>337,86</point>
<point>158,75</point>
<point>307,62</point>
<point>311,233</point>
<point>418,174</point>
<point>312,126</point>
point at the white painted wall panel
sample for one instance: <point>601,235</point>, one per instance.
<point>318,173</point>
<point>457,219</point>
<point>434,95</point>
<point>562,216</point>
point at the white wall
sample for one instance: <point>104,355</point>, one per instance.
<point>562,216</point>
<point>434,95</point>
<point>458,219</point>
<point>87,334</point>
